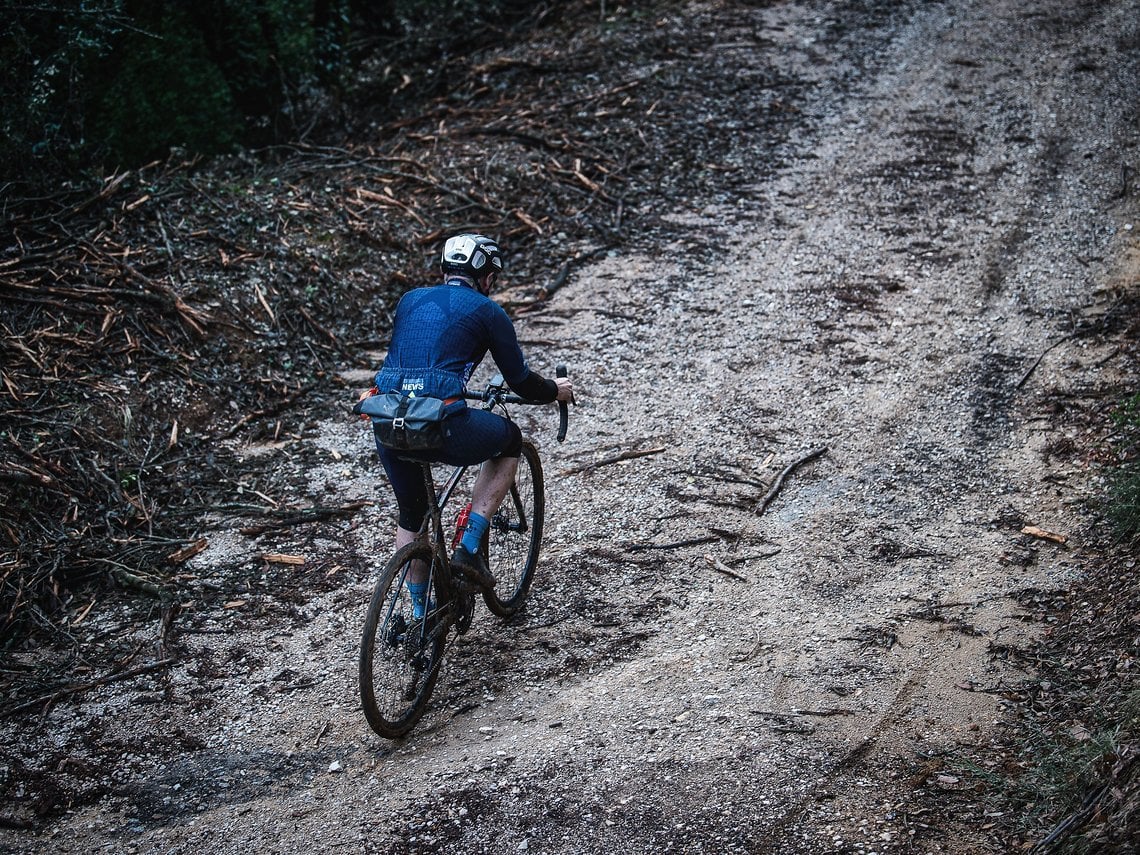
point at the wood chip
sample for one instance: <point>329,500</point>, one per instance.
<point>280,558</point>
<point>721,567</point>
<point>528,220</point>
<point>188,552</point>
<point>1034,531</point>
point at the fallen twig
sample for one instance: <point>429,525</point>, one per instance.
<point>168,615</point>
<point>1074,820</point>
<point>281,558</point>
<point>322,330</point>
<point>1034,531</point>
<point>797,713</point>
<point>305,515</point>
<point>603,93</point>
<point>59,694</point>
<point>779,482</point>
<point>677,544</point>
<point>271,410</point>
<point>1033,367</point>
<point>740,559</point>
<point>564,272</point>
<point>188,552</point>
<point>721,567</point>
<point>617,458</point>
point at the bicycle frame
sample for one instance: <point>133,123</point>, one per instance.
<point>400,653</point>
<point>493,398</point>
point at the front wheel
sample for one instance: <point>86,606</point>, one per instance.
<point>400,654</point>
<point>515,535</point>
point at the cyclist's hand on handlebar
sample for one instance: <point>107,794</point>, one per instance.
<point>565,390</point>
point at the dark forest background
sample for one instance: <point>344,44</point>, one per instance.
<point>111,84</point>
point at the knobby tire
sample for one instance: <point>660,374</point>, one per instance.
<point>515,536</point>
<point>400,657</point>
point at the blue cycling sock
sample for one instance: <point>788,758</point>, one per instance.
<point>418,590</point>
<point>477,526</point>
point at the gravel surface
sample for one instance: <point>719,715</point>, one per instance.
<point>948,208</point>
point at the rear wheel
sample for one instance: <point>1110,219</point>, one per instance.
<point>400,654</point>
<point>515,535</point>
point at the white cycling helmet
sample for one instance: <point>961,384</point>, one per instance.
<point>471,255</point>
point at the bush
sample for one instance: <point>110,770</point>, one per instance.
<point>43,51</point>
<point>1124,482</point>
<point>165,92</point>
<point>121,81</point>
<point>110,84</point>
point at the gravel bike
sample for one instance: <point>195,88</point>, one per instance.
<point>400,654</point>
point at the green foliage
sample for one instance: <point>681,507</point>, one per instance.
<point>124,80</point>
<point>164,93</point>
<point>1078,783</point>
<point>1124,482</point>
<point>113,83</point>
<point>43,50</point>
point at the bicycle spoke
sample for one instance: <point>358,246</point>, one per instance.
<point>400,655</point>
<point>515,535</point>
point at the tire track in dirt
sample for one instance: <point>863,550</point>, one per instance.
<point>927,438</point>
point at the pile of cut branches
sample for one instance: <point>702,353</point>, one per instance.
<point>150,316</point>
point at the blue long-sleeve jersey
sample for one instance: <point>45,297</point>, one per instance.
<point>441,334</point>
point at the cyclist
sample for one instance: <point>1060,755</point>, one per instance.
<point>440,335</point>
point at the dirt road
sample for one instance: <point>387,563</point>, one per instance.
<point>922,287</point>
